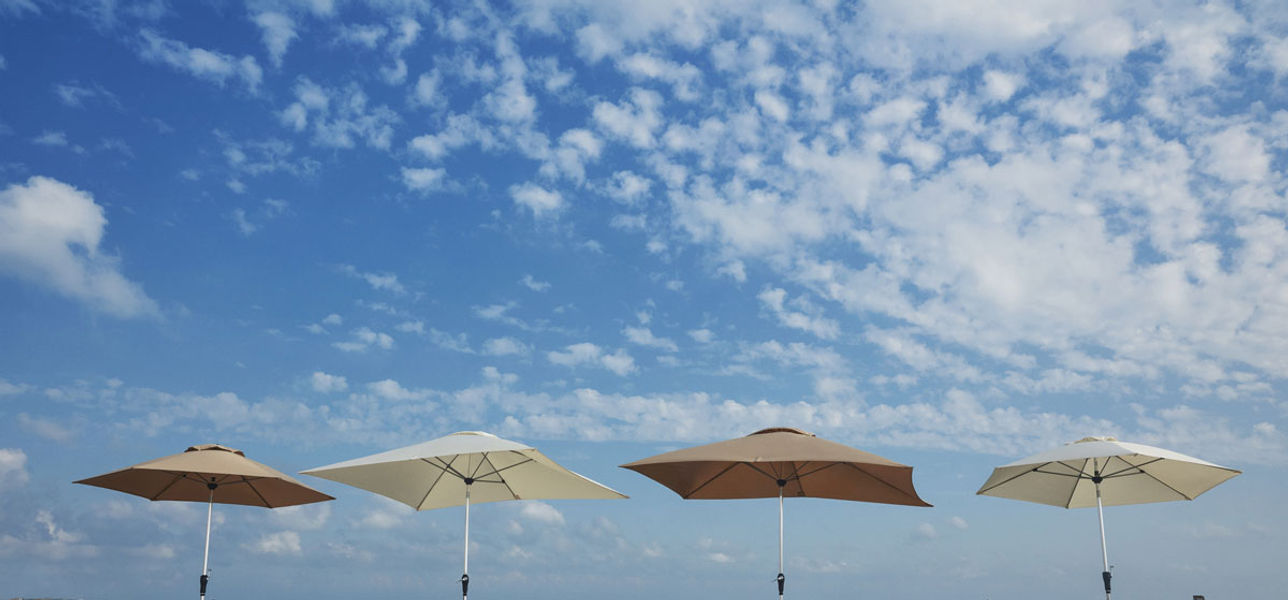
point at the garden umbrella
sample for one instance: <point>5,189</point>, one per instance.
<point>780,462</point>
<point>1096,471</point>
<point>212,474</point>
<point>463,468</point>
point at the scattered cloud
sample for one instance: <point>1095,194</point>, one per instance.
<point>326,383</point>
<point>13,468</point>
<point>211,65</point>
<point>50,236</point>
<point>378,281</point>
<point>282,542</point>
<point>587,353</point>
<point>364,339</point>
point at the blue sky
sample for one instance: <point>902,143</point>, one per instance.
<point>952,234</point>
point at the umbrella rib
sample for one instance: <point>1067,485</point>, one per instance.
<point>800,475</point>
<point>168,486</point>
<point>250,485</point>
<point>1036,469</point>
<point>882,481</point>
<point>441,472</point>
<point>497,472</point>
<point>1165,484</point>
<point>1124,472</point>
<point>775,476</point>
<point>714,477</point>
<point>1074,488</point>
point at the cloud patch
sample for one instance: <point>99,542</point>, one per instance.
<point>50,236</point>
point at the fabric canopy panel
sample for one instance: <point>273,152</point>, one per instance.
<point>780,462</point>
<point>1129,474</point>
<point>433,474</point>
<point>467,467</point>
<point>213,474</point>
<point>1095,471</point>
<point>752,466</point>
<point>187,476</point>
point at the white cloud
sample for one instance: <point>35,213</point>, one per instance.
<point>542,202</point>
<point>426,92</point>
<point>634,121</point>
<point>378,281</point>
<point>282,542</point>
<point>587,353</point>
<point>423,180</point>
<point>326,383</point>
<point>808,318</point>
<point>13,468</point>
<point>367,36</point>
<point>278,31</point>
<point>537,286</point>
<point>505,346</point>
<point>628,188</point>
<point>210,65</point>
<point>45,428</point>
<point>1000,86</point>
<point>642,336</point>
<point>340,118</point>
<point>392,390</point>
<point>542,513</point>
<point>702,336</point>
<point>364,339</point>
<point>1237,156</point>
<point>50,235</point>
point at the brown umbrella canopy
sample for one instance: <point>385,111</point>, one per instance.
<point>187,477</point>
<point>807,466</point>
<point>212,474</point>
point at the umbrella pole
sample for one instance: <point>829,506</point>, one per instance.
<point>781,578</point>
<point>1104,549</point>
<point>465,577</point>
<point>205,561</point>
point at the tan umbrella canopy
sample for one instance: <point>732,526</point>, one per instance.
<point>212,474</point>
<point>781,462</point>
<point>1076,474</point>
<point>446,471</point>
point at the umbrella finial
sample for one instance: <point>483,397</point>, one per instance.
<point>783,430</point>
<point>205,447</point>
<point>1095,438</point>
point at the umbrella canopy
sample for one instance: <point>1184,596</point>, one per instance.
<point>435,474</point>
<point>187,477</point>
<point>463,468</point>
<point>209,473</point>
<point>806,465</point>
<point>1129,474</point>
<point>1095,471</point>
<point>781,462</point>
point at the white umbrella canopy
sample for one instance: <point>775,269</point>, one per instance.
<point>467,467</point>
<point>1099,471</point>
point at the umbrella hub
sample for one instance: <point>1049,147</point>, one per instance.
<point>1097,438</point>
<point>782,483</point>
<point>205,447</point>
<point>468,481</point>
<point>783,430</point>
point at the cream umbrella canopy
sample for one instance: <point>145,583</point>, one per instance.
<point>209,473</point>
<point>780,462</point>
<point>1099,471</point>
<point>467,467</point>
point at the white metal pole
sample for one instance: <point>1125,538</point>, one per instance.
<point>1104,548</point>
<point>781,577</point>
<point>205,561</point>
<point>465,578</point>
